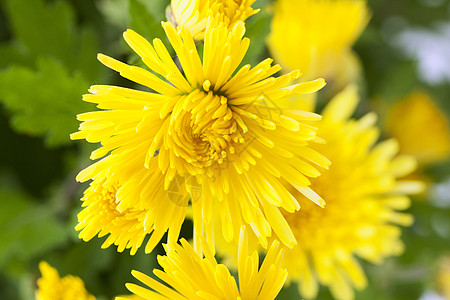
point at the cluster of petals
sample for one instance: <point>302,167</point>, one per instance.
<point>211,138</point>
<point>195,14</point>
<point>51,286</point>
<point>365,194</point>
<point>200,277</point>
<point>207,138</point>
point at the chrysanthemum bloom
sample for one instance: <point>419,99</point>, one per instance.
<point>363,195</point>
<point>126,228</point>
<point>417,115</point>
<point>207,136</point>
<point>52,287</point>
<point>194,14</point>
<point>316,36</point>
<point>192,276</point>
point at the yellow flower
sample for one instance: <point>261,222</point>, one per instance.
<point>192,276</point>
<point>205,135</point>
<point>100,216</point>
<point>316,36</point>
<point>418,116</point>
<point>363,194</point>
<point>194,14</point>
<point>52,287</point>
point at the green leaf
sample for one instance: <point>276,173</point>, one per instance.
<point>9,53</point>
<point>115,12</point>
<point>289,292</point>
<point>258,27</point>
<point>143,22</point>
<point>44,102</point>
<point>44,29</point>
<point>27,229</point>
<point>157,8</point>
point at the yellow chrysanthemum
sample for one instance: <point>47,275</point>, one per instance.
<point>194,14</point>
<point>316,36</point>
<point>126,229</point>
<point>52,287</point>
<point>363,194</point>
<point>204,135</point>
<point>192,276</point>
<point>418,116</point>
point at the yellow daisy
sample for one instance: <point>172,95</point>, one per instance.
<point>417,115</point>
<point>204,135</point>
<point>192,276</point>
<point>316,36</point>
<point>363,194</point>
<point>194,14</point>
<point>52,287</point>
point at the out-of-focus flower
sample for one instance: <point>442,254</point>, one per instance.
<point>52,287</point>
<point>194,14</point>
<point>316,36</point>
<point>202,135</point>
<point>126,229</point>
<point>420,127</point>
<point>192,276</point>
<point>363,196</point>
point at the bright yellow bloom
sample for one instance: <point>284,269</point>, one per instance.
<point>194,14</point>
<point>52,287</point>
<point>316,36</point>
<point>421,129</point>
<point>216,139</point>
<point>193,277</point>
<point>363,194</point>
<point>100,216</point>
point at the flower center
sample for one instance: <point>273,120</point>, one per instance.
<point>203,130</point>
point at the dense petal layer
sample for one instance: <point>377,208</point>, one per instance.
<point>203,135</point>
<point>195,14</point>
<point>364,196</point>
<point>195,277</point>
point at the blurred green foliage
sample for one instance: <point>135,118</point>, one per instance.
<point>48,54</point>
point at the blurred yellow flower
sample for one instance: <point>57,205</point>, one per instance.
<point>316,36</point>
<point>420,127</point>
<point>52,287</point>
<point>363,194</point>
<point>194,14</point>
<point>192,276</point>
<point>204,135</point>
